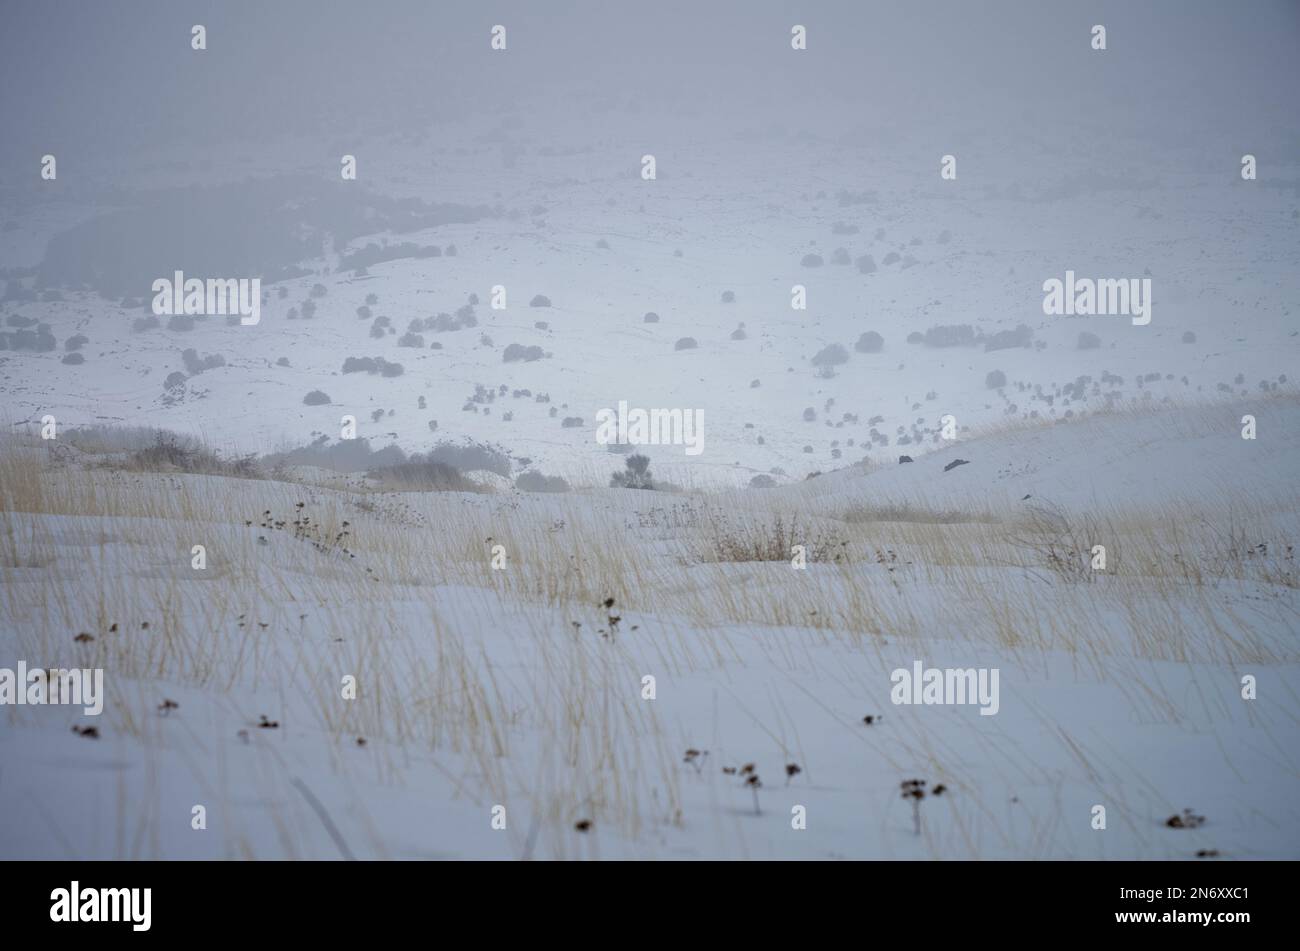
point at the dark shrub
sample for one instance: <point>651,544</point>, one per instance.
<point>950,335</point>
<point>536,482</point>
<point>194,365</point>
<point>372,365</point>
<point>471,456</point>
<point>40,340</point>
<point>423,475</point>
<point>1022,336</point>
<point>517,351</point>
<point>829,357</point>
<point>870,342</point>
<point>636,475</point>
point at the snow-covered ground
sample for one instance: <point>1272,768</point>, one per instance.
<point>1101,509</point>
<point>724,215</point>
<point>479,687</point>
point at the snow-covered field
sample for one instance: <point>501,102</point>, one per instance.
<point>975,256</point>
<point>479,687</point>
<point>906,458</point>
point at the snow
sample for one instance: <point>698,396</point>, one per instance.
<point>1169,680</point>
<point>743,219</point>
<point>473,693</point>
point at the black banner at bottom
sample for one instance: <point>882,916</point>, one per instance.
<point>336,900</point>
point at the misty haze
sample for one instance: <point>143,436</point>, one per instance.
<point>674,431</point>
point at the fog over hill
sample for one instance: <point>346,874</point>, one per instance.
<point>499,359</point>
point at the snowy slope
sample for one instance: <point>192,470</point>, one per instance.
<point>723,216</point>
<point>481,692</point>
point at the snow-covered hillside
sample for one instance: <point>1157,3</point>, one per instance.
<point>479,688</point>
<point>879,246</point>
<point>949,352</point>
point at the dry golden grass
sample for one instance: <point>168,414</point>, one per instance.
<point>308,582</point>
